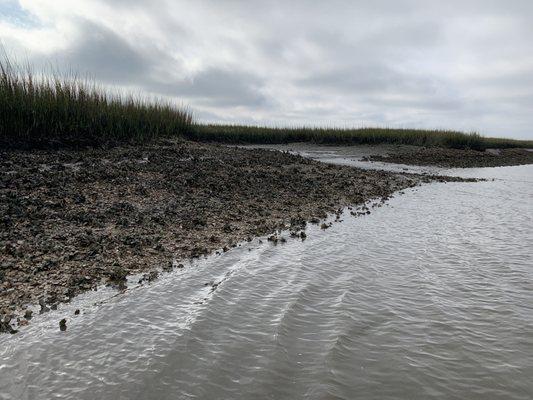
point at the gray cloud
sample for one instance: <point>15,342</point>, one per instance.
<point>360,79</point>
<point>104,55</point>
<point>216,87</point>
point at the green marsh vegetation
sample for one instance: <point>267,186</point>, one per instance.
<point>50,110</point>
<point>415,137</point>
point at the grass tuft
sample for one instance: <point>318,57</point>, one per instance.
<point>54,111</point>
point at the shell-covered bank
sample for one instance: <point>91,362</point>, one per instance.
<point>73,219</point>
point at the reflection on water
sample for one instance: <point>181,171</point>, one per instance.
<point>430,296</point>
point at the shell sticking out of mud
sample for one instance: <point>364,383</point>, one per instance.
<point>118,277</point>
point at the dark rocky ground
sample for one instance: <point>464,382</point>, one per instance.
<point>454,158</point>
<point>70,220</point>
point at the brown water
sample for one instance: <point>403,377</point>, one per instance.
<point>429,296</point>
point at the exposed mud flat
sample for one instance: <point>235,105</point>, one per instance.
<point>71,220</point>
<point>454,158</point>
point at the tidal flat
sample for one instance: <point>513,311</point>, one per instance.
<point>455,158</point>
<point>428,296</point>
<point>74,219</point>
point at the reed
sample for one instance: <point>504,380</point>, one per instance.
<point>242,134</point>
<point>55,111</point>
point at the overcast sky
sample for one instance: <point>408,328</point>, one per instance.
<point>464,65</point>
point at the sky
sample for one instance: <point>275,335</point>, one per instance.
<point>461,65</point>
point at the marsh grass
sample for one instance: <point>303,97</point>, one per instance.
<point>51,110</point>
<point>55,111</point>
<point>266,135</point>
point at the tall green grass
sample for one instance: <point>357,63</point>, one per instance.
<point>52,110</point>
<point>264,135</point>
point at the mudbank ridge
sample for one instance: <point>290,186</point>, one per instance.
<point>453,158</point>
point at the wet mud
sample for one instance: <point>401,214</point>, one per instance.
<point>71,220</point>
<point>454,158</point>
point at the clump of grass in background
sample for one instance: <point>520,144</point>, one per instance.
<point>416,137</point>
<point>54,111</point>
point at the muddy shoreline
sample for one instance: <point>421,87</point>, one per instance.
<point>454,158</point>
<point>73,219</point>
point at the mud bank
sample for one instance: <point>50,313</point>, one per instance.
<point>70,220</point>
<point>453,158</point>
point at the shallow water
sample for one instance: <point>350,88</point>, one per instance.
<point>429,296</point>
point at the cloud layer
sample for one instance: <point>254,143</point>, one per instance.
<point>464,65</point>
